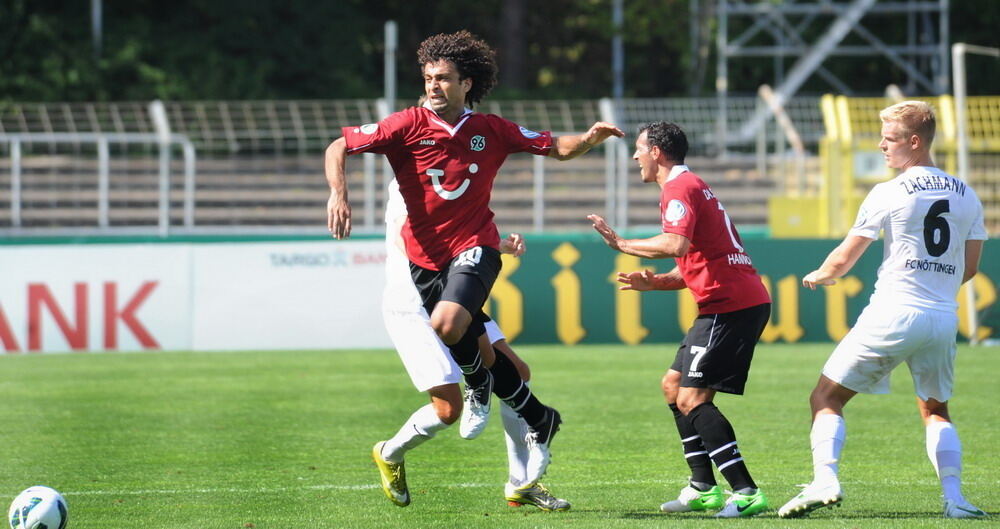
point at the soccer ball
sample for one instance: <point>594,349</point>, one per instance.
<point>38,507</point>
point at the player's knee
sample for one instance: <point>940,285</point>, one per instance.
<point>448,329</point>
<point>448,411</point>
<point>933,411</point>
<point>451,334</point>
<point>669,384</point>
<point>818,399</point>
<point>824,398</point>
<point>687,403</point>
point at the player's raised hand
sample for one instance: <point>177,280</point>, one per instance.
<point>814,279</point>
<point>513,244</point>
<point>601,131</point>
<point>641,281</point>
<point>338,217</point>
<point>611,238</point>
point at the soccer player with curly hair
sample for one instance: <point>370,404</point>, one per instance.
<point>445,157</point>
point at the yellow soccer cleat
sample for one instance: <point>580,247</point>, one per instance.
<point>393,477</point>
<point>534,494</point>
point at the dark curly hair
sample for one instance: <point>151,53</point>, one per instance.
<point>668,137</point>
<point>471,55</point>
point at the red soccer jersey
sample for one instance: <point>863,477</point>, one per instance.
<point>445,174</point>
<point>716,268</point>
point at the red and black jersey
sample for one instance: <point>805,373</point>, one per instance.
<point>716,267</point>
<point>445,174</point>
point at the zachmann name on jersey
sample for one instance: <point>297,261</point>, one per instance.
<point>927,182</point>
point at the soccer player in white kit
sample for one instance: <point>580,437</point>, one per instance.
<point>934,233</point>
<point>433,370</point>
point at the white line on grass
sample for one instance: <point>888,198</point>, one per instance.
<point>275,490</point>
<point>370,486</point>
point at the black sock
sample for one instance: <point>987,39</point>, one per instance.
<point>466,355</point>
<point>720,440</point>
<point>694,451</point>
<point>507,385</point>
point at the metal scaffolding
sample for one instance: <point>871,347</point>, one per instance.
<point>781,29</point>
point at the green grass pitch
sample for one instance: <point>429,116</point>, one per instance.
<point>282,439</point>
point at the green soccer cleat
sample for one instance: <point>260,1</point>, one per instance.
<point>534,494</point>
<point>814,496</point>
<point>393,477</point>
<point>744,505</point>
<point>692,499</point>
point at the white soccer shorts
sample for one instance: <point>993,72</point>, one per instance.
<point>885,337</point>
<point>493,331</point>
<point>426,358</point>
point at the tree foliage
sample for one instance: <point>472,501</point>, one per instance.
<point>228,49</point>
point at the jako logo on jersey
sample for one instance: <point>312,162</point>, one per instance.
<point>427,142</point>
<point>470,257</point>
<point>368,129</point>
<point>675,212</point>
<point>477,143</point>
<point>530,134</point>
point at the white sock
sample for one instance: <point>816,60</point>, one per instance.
<point>944,449</point>
<point>827,440</point>
<point>515,431</point>
<point>421,426</point>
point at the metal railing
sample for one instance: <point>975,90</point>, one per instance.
<point>302,126</point>
<point>259,163</point>
<point>102,142</point>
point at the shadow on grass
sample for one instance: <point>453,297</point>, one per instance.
<point>826,517</point>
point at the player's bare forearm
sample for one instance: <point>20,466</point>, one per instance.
<point>838,263</point>
<point>671,280</point>
<point>658,247</point>
<point>569,147</point>
<point>651,248</point>
<point>647,280</point>
<point>833,268</point>
<point>338,209</point>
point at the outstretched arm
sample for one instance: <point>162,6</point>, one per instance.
<point>647,280</point>
<point>567,147</point>
<point>657,247</point>
<point>338,209</point>
<point>838,263</point>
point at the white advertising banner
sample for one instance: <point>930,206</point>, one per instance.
<point>303,295</point>
<point>95,297</point>
<point>181,296</point>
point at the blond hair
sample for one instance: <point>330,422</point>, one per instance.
<point>916,117</point>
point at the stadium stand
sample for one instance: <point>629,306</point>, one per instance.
<point>259,163</point>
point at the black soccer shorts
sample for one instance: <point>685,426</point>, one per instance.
<point>467,280</point>
<point>717,351</point>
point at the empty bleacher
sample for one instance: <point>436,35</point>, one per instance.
<point>260,166</point>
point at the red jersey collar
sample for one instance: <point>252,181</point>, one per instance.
<point>437,119</point>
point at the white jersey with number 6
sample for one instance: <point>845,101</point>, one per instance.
<point>927,215</point>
